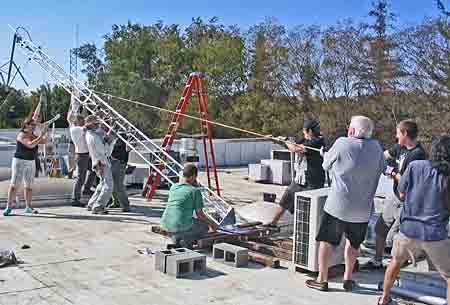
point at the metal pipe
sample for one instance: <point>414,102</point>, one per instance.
<point>417,296</point>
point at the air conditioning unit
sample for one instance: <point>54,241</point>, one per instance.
<point>280,171</point>
<point>258,172</point>
<point>307,217</point>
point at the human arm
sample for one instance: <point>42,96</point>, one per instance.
<point>202,216</point>
<point>71,117</point>
<point>296,147</point>
<point>332,155</point>
<point>198,207</point>
<point>31,143</point>
<point>405,183</point>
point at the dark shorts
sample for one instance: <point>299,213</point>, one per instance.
<point>287,201</point>
<point>332,229</point>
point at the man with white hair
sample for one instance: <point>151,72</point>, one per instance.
<point>355,163</point>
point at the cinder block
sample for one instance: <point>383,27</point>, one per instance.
<point>186,264</point>
<point>231,254</point>
<point>161,257</point>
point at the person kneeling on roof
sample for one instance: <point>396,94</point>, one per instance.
<point>184,199</point>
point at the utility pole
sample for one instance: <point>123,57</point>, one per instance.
<point>73,60</point>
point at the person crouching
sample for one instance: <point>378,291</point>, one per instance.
<point>184,199</point>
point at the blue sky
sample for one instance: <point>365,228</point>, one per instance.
<point>52,22</point>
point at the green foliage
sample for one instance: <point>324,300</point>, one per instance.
<point>269,78</point>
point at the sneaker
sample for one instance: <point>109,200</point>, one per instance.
<point>99,211</point>
<point>349,285</point>
<point>7,212</point>
<point>389,302</point>
<point>31,211</point>
<point>374,264</point>
<point>89,208</point>
<point>126,210</point>
<point>313,284</point>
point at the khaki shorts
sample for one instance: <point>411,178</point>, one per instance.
<point>22,171</point>
<point>438,252</point>
<point>390,218</point>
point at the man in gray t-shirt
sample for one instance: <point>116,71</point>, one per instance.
<point>355,163</point>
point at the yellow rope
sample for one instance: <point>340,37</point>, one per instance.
<point>207,121</point>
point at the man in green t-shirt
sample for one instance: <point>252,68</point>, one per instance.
<point>184,199</point>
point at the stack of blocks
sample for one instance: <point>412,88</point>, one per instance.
<point>231,254</point>
<point>180,262</point>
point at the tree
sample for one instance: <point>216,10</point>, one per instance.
<point>89,56</point>
<point>343,52</point>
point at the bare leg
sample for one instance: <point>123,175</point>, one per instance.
<point>350,256</point>
<point>28,195</point>
<point>277,216</point>
<point>448,291</point>
<point>11,196</point>
<point>326,253</point>
<point>391,274</point>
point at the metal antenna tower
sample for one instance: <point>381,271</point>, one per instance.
<point>73,60</point>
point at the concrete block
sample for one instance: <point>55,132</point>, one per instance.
<point>186,264</point>
<point>231,254</point>
<point>162,255</point>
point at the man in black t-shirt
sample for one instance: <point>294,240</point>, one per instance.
<point>314,174</point>
<point>398,157</point>
<point>119,161</point>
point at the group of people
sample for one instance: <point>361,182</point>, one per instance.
<point>416,214</point>
<point>99,154</point>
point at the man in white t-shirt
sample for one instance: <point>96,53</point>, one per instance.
<point>82,159</point>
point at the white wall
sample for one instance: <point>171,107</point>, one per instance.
<point>229,152</point>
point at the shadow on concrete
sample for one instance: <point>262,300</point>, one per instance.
<point>209,274</point>
<point>143,210</point>
<point>114,218</point>
<point>365,279</point>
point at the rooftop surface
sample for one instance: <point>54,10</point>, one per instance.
<point>79,258</point>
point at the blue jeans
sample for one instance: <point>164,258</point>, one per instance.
<point>186,238</point>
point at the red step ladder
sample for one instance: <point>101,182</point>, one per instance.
<point>154,179</point>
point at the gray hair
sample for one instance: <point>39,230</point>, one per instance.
<point>363,126</point>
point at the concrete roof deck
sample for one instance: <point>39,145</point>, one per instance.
<point>80,258</point>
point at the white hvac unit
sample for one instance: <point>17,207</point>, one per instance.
<point>280,171</point>
<point>258,172</point>
<point>307,217</point>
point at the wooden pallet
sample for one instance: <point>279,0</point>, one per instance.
<point>206,242</point>
<point>266,260</point>
<point>265,249</point>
